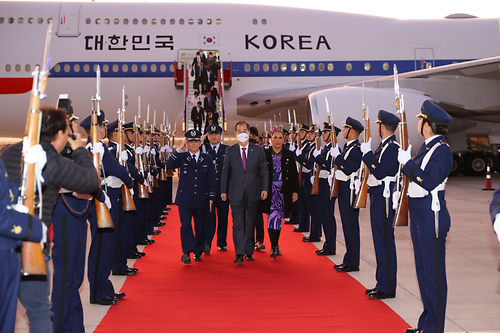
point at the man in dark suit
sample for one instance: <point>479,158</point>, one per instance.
<point>209,102</point>
<point>200,77</point>
<point>198,115</point>
<point>209,80</point>
<point>244,182</point>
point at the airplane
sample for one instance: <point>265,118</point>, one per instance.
<point>273,59</point>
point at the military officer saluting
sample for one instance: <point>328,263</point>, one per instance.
<point>348,163</point>
<point>383,165</point>
<point>195,193</point>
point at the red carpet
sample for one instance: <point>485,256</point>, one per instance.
<point>297,292</point>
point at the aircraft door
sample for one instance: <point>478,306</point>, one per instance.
<point>69,16</point>
<point>424,58</point>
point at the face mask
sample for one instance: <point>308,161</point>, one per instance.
<point>242,137</point>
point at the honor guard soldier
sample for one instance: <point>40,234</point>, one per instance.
<point>348,163</point>
<point>144,203</point>
<point>326,205</point>
<point>383,165</point>
<point>100,262</point>
<point>495,211</point>
<point>429,218</point>
<point>286,135</point>
<point>303,209</point>
<point>160,165</point>
<point>294,217</point>
<point>150,155</point>
<point>220,209</point>
<point>195,193</point>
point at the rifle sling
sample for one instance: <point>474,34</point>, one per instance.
<point>412,173</point>
<point>30,228</point>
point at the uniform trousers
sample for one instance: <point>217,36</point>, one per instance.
<point>123,224</point>
<point>9,289</point>
<point>303,209</point>
<point>430,253</point>
<point>327,215</point>
<point>244,214</point>
<point>68,258</point>
<point>350,224</point>
<point>312,202</point>
<point>133,236</point>
<point>192,243</point>
<point>143,212</point>
<point>217,219</point>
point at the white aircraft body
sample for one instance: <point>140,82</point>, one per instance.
<point>275,59</point>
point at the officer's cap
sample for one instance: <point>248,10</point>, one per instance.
<point>303,127</point>
<point>434,113</point>
<point>354,124</point>
<point>285,131</point>
<point>388,119</point>
<point>193,135</point>
<point>101,120</point>
<point>312,128</point>
<point>214,129</point>
<point>129,126</point>
<point>326,127</point>
<point>112,126</point>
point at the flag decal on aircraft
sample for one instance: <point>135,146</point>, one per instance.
<point>209,39</point>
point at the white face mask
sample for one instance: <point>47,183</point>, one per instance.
<point>242,137</point>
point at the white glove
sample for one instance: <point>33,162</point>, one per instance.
<point>335,151</point>
<point>312,180</point>
<point>404,155</point>
<point>298,152</point>
<point>145,149</point>
<point>153,151</point>
<point>146,183</point>
<point>150,178</point>
<point>496,226</point>
<point>169,150</point>
<point>19,208</point>
<point>35,155</point>
<point>292,147</point>
<point>178,150</point>
<point>316,152</point>
<point>124,156</point>
<point>98,148</point>
<point>44,234</point>
<point>174,147</point>
<point>357,185</point>
<point>138,150</point>
<point>107,200</point>
<point>131,192</point>
<point>162,149</point>
<point>330,179</point>
<point>366,146</point>
<point>395,199</point>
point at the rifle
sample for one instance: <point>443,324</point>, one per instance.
<point>299,145</point>
<point>141,189</point>
<point>402,183</point>
<point>32,259</point>
<point>152,158</point>
<point>163,173</point>
<point>315,187</point>
<point>128,200</point>
<point>363,188</point>
<point>334,189</point>
<point>145,157</point>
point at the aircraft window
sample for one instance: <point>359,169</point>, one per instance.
<point>218,21</point>
<point>67,68</point>
<point>163,68</point>
<point>116,21</point>
<point>11,20</point>
<point>134,68</point>
<point>256,67</point>
<point>88,21</point>
<point>247,67</point>
<point>321,67</point>
<point>172,21</point>
<point>181,21</point>
<point>302,67</point>
<point>106,21</point>
<point>135,21</point>
<point>105,68</point>
<point>57,68</point>
<point>367,66</point>
<point>18,68</point>
<point>86,68</point>
<point>76,68</point>
<point>31,20</point>
<point>95,67</point>
<point>428,65</point>
<point>7,68</point>
<point>385,66</point>
<point>125,21</point>
<point>40,20</point>
<point>124,68</point>
<point>264,21</point>
<point>1,20</point>
<point>190,21</point>
<point>144,21</point>
<point>49,20</point>
<point>265,67</point>
<point>293,67</point>
<point>153,21</point>
<point>97,21</point>
<point>312,67</point>
<point>153,68</point>
<point>27,68</point>
<point>275,67</point>
<point>144,68</point>
<point>283,67</point>
<point>172,68</point>
<point>209,21</point>
<point>20,20</point>
<point>115,68</point>
<point>163,21</point>
<point>200,21</point>
<point>330,67</point>
<point>254,21</point>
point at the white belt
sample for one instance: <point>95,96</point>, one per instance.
<point>374,182</point>
<point>340,175</point>
<point>324,174</point>
<point>305,170</point>
<point>112,182</point>
<point>416,191</point>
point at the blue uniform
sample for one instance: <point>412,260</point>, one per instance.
<point>304,214</point>
<point>348,163</point>
<point>14,228</point>
<point>495,205</point>
<point>196,187</point>
<point>220,209</point>
<point>383,165</point>
<point>429,244</point>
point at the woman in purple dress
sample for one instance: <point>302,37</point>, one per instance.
<point>284,186</point>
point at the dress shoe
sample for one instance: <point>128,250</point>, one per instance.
<point>159,224</point>
<point>186,259</point>
<point>134,256</point>
<point>142,254</point>
<point>118,297</point>
<point>367,291</point>
<point>274,252</point>
<point>338,266</point>
<point>222,248</point>
<point>300,230</point>
<point>128,272</point>
<point>164,216</point>
<point>310,240</point>
<point>145,242</point>
<point>197,258</point>
<point>154,232</point>
<point>167,208</point>
<point>377,294</point>
<point>348,269</point>
<point>239,259</point>
<point>104,301</point>
<point>248,257</point>
<point>259,246</point>
<point>413,330</point>
<point>290,222</point>
<point>206,249</point>
<point>323,252</point>
<point>134,269</point>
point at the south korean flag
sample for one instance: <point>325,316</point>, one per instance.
<point>209,40</point>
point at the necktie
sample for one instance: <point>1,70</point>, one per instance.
<point>194,157</point>
<point>244,158</point>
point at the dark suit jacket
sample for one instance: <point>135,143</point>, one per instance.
<point>209,104</point>
<point>253,179</point>
<point>214,118</point>
<point>197,117</point>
